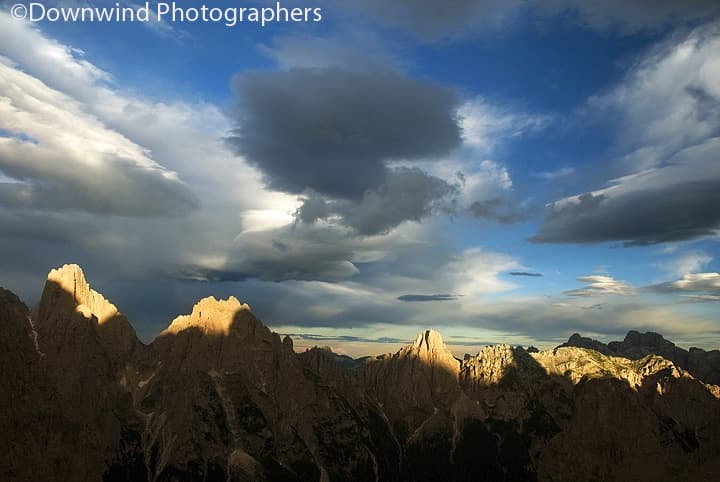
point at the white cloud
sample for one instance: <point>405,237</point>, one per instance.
<point>486,125</point>
<point>490,180</point>
<point>63,158</point>
<point>476,272</point>
<point>599,285</point>
<point>669,101</point>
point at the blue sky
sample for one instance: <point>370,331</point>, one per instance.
<point>546,167</point>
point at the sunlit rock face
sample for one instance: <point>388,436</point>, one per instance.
<point>218,396</point>
<point>69,303</point>
<point>218,319</point>
<point>703,365</point>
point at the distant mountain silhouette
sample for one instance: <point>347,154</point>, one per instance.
<point>217,396</point>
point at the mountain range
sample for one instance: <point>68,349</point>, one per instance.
<point>217,396</point>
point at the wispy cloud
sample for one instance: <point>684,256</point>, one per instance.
<point>557,174</point>
<point>525,273</point>
<point>486,125</point>
<point>412,298</point>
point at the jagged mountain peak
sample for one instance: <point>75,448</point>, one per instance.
<point>68,283</point>
<point>210,315</point>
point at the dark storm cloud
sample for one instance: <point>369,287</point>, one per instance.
<point>407,194</point>
<point>421,298</point>
<point>524,273</point>
<point>314,208</point>
<point>332,130</point>
<point>671,212</point>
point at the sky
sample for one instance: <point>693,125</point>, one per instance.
<point>501,171</point>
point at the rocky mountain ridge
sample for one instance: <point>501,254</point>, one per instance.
<point>704,365</point>
<point>218,396</point>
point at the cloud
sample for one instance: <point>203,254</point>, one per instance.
<point>329,308</point>
<point>524,273</point>
<point>476,272</point>
<point>414,258</point>
<point>629,16</point>
<point>293,252</point>
<point>600,286</point>
<point>345,338</point>
<point>486,192</point>
<point>703,298</point>
<point>702,286</point>
<point>407,194</point>
<point>503,210</point>
<point>485,125</point>
<point>691,262</point>
<point>351,49</point>
<point>333,131</point>
<point>360,165</point>
<point>652,207</point>
<point>76,146</point>
<point>669,111</point>
<point>416,298</point>
<point>431,21</point>
<point>557,174</point>
<point>85,167</point>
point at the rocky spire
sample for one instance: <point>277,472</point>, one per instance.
<point>430,348</point>
<point>67,286</point>
<point>68,303</point>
